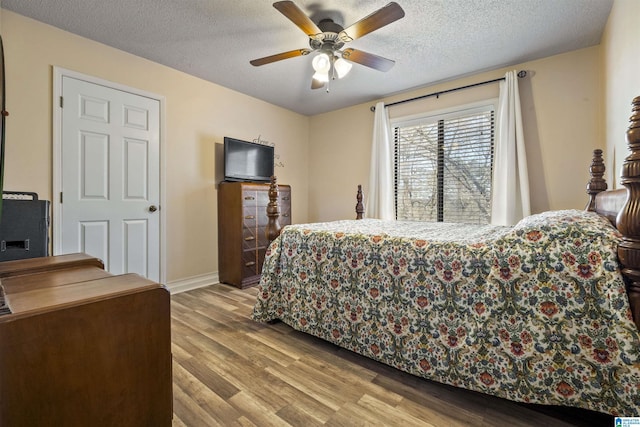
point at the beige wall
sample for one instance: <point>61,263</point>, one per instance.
<point>561,101</point>
<point>198,115</point>
<point>564,100</point>
<point>621,76</point>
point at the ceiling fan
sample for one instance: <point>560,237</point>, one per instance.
<point>328,38</point>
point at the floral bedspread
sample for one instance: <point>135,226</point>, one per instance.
<point>534,313</point>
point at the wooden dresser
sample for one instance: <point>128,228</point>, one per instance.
<point>81,347</point>
<point>242,221</point>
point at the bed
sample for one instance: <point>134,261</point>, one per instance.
<point>541,312</point>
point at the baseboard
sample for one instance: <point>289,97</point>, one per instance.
<point>195,282</point>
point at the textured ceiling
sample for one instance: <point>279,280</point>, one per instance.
<point>437,40</point>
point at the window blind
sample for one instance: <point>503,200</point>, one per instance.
<point>443,167</point>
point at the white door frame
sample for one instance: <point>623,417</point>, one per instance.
<point>58,74</point>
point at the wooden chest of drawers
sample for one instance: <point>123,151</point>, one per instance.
<point>242,218</point>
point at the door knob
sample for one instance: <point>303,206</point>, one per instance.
<point>153,208</point>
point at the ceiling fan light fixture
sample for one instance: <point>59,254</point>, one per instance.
<point>342,67</point>
<point>321,77</point>
<point>321,63</point>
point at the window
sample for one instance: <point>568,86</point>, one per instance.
<point>443,166</point>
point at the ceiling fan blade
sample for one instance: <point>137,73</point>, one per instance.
<point>279,57</point>
<point>368,59</point>
<point>316,84</point>
<point>298,17</point>
<point>378,19</point>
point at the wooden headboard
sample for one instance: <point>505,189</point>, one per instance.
<point>622,207</point>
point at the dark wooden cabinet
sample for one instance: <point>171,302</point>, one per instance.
<point>82,347</point>
<point>242,221</point>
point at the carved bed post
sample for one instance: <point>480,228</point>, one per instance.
<point>273,212</point>
<point>597,184</point>
<point>628,221</point>
<point>359,205</point>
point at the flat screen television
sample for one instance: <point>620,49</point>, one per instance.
<point>247,161</point>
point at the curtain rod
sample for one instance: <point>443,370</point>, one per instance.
<point>521,74</point>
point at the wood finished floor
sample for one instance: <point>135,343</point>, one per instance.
<point>231,371</point>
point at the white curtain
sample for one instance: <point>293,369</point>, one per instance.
<point>510,200</point>
<point>380,198</point>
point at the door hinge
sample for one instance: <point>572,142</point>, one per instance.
<point>61,197</point>
<point>61,102</point>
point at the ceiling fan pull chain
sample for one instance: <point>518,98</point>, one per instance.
<point>332,70</point>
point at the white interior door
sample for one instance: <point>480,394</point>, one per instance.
<point>110,177</point>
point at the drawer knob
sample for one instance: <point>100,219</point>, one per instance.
<point>249,238</point>
<point>250,263</point>
<point>249,198</point>
<point>249,217</point>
